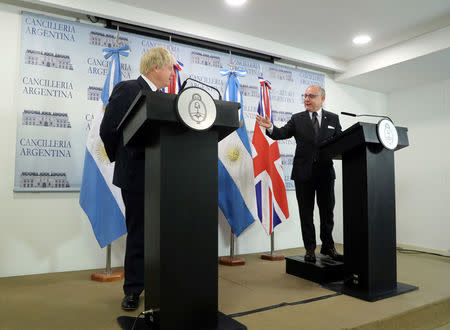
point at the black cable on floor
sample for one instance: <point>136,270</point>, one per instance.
<point>306,301</point>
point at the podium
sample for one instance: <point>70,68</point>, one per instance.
<point>370,265</point>
<point>181,212</point>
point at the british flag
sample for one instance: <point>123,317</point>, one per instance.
<point>175,81</point>
<point>271,198</point>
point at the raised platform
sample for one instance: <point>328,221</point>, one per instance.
<point>324,270</point>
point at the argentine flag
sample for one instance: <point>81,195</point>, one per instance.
<point>99,198</point>
<point>237,198</point>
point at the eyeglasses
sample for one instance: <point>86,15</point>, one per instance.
<point>311,96</point>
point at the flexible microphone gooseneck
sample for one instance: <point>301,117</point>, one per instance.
<point>201,83</point>
<point>365,115</point>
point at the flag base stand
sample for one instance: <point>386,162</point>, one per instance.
<point>272,256</point>
<point>231,261</point>
<point>107,276</point>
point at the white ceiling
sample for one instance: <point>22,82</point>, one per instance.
<point>326,26</point>
<point>416,72</point>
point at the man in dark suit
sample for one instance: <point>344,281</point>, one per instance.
<point>156,69</point>
<point>313,175</point>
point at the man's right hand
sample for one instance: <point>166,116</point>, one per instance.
<point>263,121</point>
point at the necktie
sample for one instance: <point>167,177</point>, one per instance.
<point>315,123</point>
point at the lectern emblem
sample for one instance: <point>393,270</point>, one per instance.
<point>197,109</point>
<point>387,134</point>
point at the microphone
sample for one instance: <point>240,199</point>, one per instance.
<point>348,114</point>
<point>201,83</point>
<point>365,115</point>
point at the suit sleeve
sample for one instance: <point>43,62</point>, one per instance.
<point>118,104</point>
<point>285,132</point>
<point>338,128</point>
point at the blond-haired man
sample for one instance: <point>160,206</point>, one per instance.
<point>156,71</point>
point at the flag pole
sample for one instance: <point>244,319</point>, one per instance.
<point>108,275</point>
<point>231,245</point>
<point>108,259</point>
<point>272,256</point>
<point>231,260</point>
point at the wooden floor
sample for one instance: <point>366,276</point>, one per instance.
<point>72,301</point>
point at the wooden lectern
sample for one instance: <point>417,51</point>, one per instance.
<point>181,212</point>
<point>370,265</point>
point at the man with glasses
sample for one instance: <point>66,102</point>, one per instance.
<point>313,175</point>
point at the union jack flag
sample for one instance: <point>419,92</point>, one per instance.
<point>271,198</point>
<point>175,82</point>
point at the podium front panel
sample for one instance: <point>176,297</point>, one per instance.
<point>369,217</point>
<point>181,224</point>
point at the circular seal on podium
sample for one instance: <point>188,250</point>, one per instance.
<point>196,108</point>
<point>387,134</point>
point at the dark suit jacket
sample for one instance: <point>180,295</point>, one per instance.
<point>307,150</point>
<point>129,167</point>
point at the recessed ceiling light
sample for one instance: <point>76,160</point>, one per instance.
<point>361,40</point>
<point>235,3</point>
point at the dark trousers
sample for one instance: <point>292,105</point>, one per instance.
<point>134,252</point>
<point>306,192</point>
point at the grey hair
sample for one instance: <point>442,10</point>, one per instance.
<point>320,88</point>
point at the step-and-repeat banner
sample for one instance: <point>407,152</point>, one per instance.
<point>62,72</point>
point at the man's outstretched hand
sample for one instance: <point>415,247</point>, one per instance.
<point>263,121</point>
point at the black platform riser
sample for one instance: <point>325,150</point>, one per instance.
<point>322,271</point>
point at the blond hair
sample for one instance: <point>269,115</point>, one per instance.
<point>158,57</point>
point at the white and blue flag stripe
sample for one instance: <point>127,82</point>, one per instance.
<point>237,198</point>
<point>99,198</point>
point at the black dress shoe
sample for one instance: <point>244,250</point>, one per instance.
<point>130,302</point>
<point>332,253</point>
<point>310,256</point>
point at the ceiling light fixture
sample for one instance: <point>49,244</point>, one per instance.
<point>235,3</point>
<point>361,40</point>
